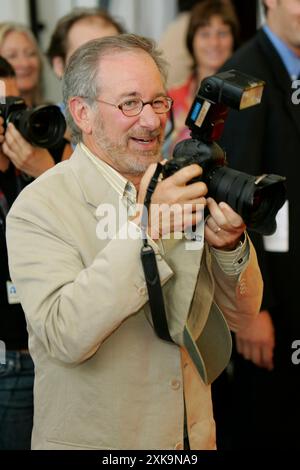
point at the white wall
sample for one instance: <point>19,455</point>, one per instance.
<point>49,11</point>
<point>146,17</point>
<point>260,14</point>
<point>14,10</point>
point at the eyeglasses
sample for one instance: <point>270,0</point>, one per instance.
<point>134,106</point>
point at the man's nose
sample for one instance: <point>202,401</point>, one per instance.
<point>148,118</point>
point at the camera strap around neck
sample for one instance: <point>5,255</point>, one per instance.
<point>156,300</point>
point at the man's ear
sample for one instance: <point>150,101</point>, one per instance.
<point>81,113</point>
<point>58,66</point>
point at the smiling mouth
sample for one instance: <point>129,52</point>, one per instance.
<point>144,141</point>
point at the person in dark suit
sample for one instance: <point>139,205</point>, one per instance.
<point>266,139</point>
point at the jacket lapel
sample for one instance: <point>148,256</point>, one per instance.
<point>93,185</point>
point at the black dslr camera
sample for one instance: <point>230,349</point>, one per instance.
<point>256,198</point>
<point>43,126</point>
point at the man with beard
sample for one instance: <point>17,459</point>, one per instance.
<point>104,378</point>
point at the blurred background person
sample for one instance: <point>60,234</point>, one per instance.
<point>211,38</point>
<point>19,47</point>
<point>173,43</point>
<point>173,39</point>
<point>266,139</point>
<point>72,31</point>
<point>17,375</point>
<point>75,29</point>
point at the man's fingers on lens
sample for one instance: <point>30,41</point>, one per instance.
<point>224,216</point>
<point>212,225</point>
<point>195,190</point>
<point>185,174</point>
<point>195,205</point>
<point>216,213</point>
<point>233,217</point>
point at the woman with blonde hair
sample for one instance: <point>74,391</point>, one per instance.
<point>20,48</point>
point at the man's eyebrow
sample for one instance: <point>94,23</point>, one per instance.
<point>135,94</point>
<point>129,94</point>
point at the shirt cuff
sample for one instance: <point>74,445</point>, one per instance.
<point>233,262</point>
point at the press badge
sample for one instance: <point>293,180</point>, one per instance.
<point>12,296</point>
<point>279,241</point>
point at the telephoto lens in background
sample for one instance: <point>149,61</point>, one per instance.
<point>43,126</point>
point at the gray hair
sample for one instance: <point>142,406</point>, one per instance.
<point>80,78</point>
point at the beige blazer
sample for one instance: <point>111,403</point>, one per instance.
<point>103,379</point>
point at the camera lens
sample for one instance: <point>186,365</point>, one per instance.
<point>43,126</point>
<point>256,199</point>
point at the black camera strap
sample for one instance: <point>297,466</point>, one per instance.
<point>156,300</point>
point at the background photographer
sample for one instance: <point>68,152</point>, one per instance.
<point>16,376</point>
<point>16,395</point>
<point>117,384</point>
<point>76,28</point>
<point>266,139</point>
<point>19,47</point>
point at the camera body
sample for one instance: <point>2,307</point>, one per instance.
<point>12,104</point>
<point>256,198</point>
<point>43,126</point>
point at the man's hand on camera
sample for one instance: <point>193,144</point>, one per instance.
<point>31,160</point>
<point>175,205</point>
<point>224,227</point>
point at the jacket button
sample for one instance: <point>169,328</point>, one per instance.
<point>178,446</point>
<point>175,384</point>
<point>142,290</point>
